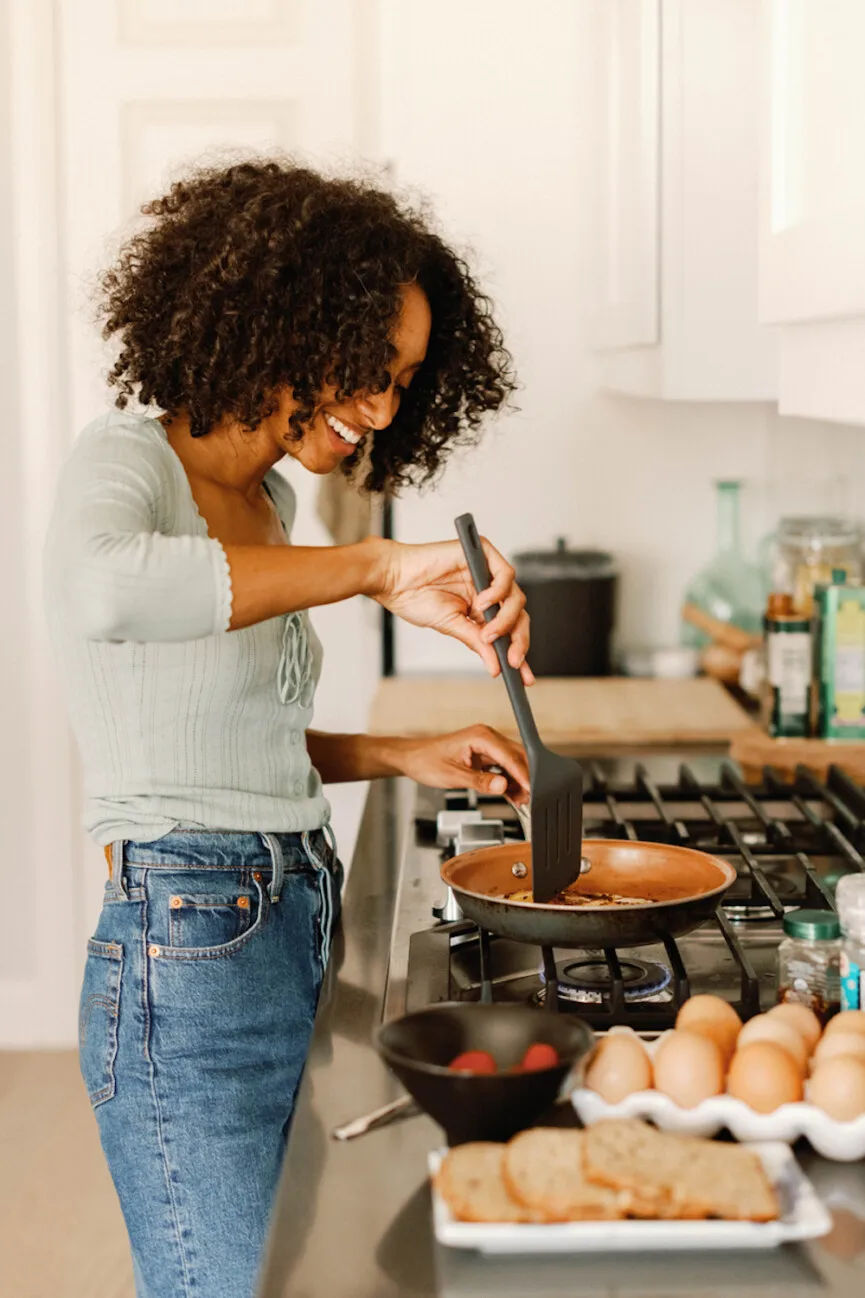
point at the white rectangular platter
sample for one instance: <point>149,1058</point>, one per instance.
<point>803,1216</point>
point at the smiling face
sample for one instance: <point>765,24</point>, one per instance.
<point>338,427</point>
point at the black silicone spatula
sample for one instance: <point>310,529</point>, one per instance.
<point>556,782</point>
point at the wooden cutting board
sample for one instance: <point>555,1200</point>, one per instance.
<point>610,712</point>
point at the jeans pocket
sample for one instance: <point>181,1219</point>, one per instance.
<point>97,1022</point>
<point>203,915</point>
<point>208,919</point>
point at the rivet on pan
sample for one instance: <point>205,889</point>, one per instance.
<point>519,870</point>
<point>585,865</point>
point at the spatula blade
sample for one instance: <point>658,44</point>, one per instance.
<point>557,824</point>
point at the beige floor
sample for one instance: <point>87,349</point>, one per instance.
<point>61,1232</point>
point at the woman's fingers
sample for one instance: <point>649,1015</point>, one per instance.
<point>501,582</point>
<point>493,749</point>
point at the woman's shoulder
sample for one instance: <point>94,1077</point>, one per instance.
<point>116,429</point>
<point>125,442</point>
<point>283,496</point>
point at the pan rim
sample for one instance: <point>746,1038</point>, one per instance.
<point>557,909</point>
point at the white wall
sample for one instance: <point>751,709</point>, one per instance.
<point>492,113</point>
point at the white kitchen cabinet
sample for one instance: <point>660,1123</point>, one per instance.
<point>679,159</point>
<point>812,230</point>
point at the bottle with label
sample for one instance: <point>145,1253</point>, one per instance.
<point>788,669</point>
<point>839,626</point>
<point>850,900</point>
<point>809,958</point>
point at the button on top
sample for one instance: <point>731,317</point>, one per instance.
<point>299,787</point>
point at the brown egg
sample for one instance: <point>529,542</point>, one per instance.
<point>689,1068</point>
<point>838,1088</point>
<point>619,1067</point>
<point>764,1076</point>
<point>833,1045</point>
<point>711,1016</point>
<point>804,1021</point>
<point>846,1021</point>
<point>763,1027</point>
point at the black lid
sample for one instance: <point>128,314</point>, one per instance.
<point>564,564</point>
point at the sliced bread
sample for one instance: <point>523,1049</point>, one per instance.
<point>691,1178</point>
<point>471,1183</point>
<point>543,1169</point>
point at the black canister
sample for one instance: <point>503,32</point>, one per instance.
<point>571,599</point>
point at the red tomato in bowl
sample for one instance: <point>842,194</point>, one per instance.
<point>539,1056</point>
<point>473,1061</point>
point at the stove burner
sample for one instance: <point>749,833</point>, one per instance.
<point>588,982</point>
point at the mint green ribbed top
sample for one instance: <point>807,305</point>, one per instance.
<point>179,721</point>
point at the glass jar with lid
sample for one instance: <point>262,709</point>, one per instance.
<point>809,960</point>
<point>801,554</point>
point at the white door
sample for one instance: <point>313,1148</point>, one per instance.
<point>812,254</point>
<point>108,99</point>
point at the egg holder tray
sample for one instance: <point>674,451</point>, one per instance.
<point>843,1142</point>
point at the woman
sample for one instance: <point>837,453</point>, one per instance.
<point>264,312</point>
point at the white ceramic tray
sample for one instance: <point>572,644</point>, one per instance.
<point>843,1142</point>
<point>802,1217</point>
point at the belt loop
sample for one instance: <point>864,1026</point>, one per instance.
<point>330,839</point>
<point>118,877</point>
<point>274,847</point>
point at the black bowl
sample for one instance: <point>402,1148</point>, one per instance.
<point>484,1106</point>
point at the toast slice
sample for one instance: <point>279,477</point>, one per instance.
<point>543,1170</point>
<point>692,1178</point>
<point>471,1183</point>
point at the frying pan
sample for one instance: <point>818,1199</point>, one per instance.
<point>678,889</point>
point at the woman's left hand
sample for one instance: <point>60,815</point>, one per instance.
<point>458,761</point>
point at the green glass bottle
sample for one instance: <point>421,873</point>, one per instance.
<point>729,588</point>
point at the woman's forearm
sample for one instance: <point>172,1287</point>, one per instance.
<point>269,580</point>
<point>340,758</point>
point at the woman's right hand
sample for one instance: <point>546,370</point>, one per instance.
<point>430,586</point>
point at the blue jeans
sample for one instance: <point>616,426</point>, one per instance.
<point>199,994</point>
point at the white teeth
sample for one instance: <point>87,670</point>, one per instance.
<point>345,433</point>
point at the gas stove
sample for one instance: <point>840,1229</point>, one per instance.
<point>789,841</point>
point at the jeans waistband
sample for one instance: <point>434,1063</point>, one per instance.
<point>276,854</point>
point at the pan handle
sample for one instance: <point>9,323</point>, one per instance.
<point>480,574</point>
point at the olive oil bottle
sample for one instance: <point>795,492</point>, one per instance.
<point>789,660</point>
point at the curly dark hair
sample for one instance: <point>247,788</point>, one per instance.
<point>264,274</point>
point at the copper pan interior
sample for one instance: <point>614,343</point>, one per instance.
<point>654,872</point>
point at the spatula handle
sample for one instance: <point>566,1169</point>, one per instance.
<point>480,574</point>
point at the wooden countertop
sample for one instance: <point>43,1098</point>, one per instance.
<point>611,712</point>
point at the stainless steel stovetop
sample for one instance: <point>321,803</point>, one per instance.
<point>790,842</point>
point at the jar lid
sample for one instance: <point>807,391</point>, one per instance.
<point>815,533</point>
<point>564,564</point>
<point>819,925</point>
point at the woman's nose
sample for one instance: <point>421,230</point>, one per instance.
<point>377,408</point>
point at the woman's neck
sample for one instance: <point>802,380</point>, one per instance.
<point>228,456</point>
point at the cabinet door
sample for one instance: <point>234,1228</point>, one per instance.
<point>812,258</point>
<point>630,169</point>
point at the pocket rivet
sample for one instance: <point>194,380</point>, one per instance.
<point>244,902</point>
<point>175,903</point>
<point>256,874</point>
<point>153,950</point>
